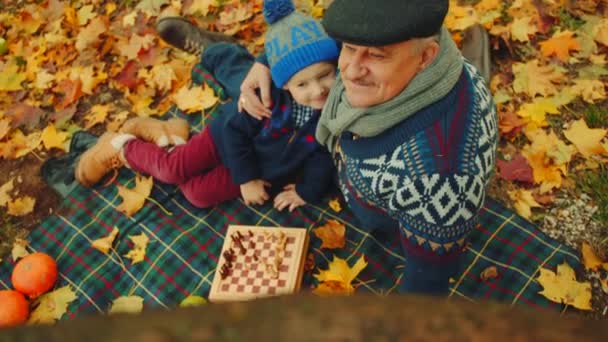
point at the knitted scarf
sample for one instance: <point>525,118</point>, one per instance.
<point>428,86</point>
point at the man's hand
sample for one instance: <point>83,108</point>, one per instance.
<point>257,78</point>
<point>288,198</point>
<point>254,192</point>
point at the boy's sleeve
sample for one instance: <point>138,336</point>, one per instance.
<point>241,159</point>
<point>262,59</point>
<point>317,177</point>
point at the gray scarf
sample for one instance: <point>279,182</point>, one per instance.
<point>428,86</point>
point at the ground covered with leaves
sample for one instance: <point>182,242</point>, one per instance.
<point>91,64</point>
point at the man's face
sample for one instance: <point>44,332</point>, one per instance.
<point>374,75</point>
<point>310,86</point>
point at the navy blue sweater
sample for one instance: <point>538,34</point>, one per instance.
<point>273,149</point>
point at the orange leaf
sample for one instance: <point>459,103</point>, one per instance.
<point>560,45</point>
<point>332,234</point>
<point>5,126</point>
<point>71,90</point>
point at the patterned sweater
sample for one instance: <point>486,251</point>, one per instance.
<point>276,149</point>
<point>425,177</point>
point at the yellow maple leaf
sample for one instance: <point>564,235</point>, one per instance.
<point>560,45</point>
<point>331,234</point>
<point>590,90</point>
<point>587,140</point>
<point>334,204</point>
<point>21,206</point>
<point>535,79</point>
<point>116,121</point>
<point>7,187</point>
<point>151,7</point>
<point>340,272</point>
<point>127,304</point>
<point>85,13</point>
<point>534,113</point>
<point>600,32</point>
<point>52,306</point>
<point>104,244</point>
<point>11,78</point>
<point>19,249</point>
<point>135,44</point>
<point>90,34</point>
<point>90,76</point>
<point>44,80</point>
<point>138,252</point>
<point>97,114</point>
<point>195,99</point>
<point>562,287</point>
<point>134,199</point>
<point>51,138</point>
<point>590,259</point>
<point>200,6</point>
<point>5,127</point>
<point>524,202</point>
<point>162,77</point>
<point>522,28</point>
<point>460,17</point>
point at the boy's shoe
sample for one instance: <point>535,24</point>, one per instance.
<point>101,158</point>
<point>174,131</point>
<point>476,48</point>
<point>184,35</point>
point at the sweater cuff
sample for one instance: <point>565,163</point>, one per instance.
<point>244,175</point>
<point>308,193</point>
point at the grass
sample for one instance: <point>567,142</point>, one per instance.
<point>568,21</point>
<point>595,183</point>
<point>596,116</point>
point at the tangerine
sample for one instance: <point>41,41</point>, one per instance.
<point>15,308</point>
<point>35,274</point>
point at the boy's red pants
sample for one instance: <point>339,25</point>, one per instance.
<point>195,167</point>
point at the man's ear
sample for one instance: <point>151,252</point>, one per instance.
<point>429,54</point>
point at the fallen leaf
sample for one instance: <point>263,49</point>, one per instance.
<point>138,252</point>
<point>97,115</point>
<point>104,244</point>
<point>192,301</point>
<point>339,276</point>
<point>86,13</point>
<point>600,32</point>
<point>151,7</point>
<point>334,204</point>
<point>52,306</point>
<point>53,139</point>
<point>331,234</point>
<point>535,113</point>
<point>587,140</point>
<point>200,7</point>
<point>5,197</point>
<point>516,169</point>
<point>90,34</point>
<point>19,249</point>
<point>524,201</point>
<point>5,127</point>
<point>21,206</point>
<point>560,45</point>
<point>562,287</point>
<point>134,199</point>
<point>195,99</point>
<point>11,78</point>
<point>535,79</point>
<point>590,90</point>
<point>489,273</point>
<point>127,304</point>
<point>522,28</point>
<point>590,259</point>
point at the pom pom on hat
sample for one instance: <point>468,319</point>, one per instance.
<point>275,10</point>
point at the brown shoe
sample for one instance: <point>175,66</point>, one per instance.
<point>101,158</point>
<point>184,35</point>
<point>174,131</point>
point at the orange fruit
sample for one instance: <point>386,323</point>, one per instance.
<point>35,274</point>
<point>15,308</point>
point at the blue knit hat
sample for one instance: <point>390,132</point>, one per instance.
<point>294,41</point>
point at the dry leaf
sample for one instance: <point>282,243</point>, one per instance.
<point>104,244</point>
<point>562,287</point>
<point>19,249</point>
<point>4,192</point>
<point>587,140</point>
<point>590,90</point>
<point>134,199</point>
<point>331,234</point>
<point>535,79</point>
<point>96,115</point>
<point>334,204</point>
<point>138,253</point>
<point>590,259</point>
<point>522,28</point>
<point>52,306</point>
<point>524,201</point>
<point>127,304</point>
<point>51,138</point>
<point>560,45</point>
<point>21,206</point>
<point>489,273</point>
<point>339,276</point>
<point>195,99</point>
<point>192,301</point>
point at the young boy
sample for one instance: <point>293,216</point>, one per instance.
<point>238,155</point>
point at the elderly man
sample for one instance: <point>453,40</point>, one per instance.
<point>412,129</point>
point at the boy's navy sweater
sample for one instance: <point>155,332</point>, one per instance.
<point>273,149</point>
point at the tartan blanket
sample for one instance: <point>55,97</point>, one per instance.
<point>185,243</point>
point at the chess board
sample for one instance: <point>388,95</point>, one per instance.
<point>259,262</point>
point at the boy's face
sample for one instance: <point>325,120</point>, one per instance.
<point>310,86</point>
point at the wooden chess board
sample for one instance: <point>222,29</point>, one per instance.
<point>259,262</point>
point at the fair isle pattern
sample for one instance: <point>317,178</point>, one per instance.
<point>435,210</point>
<point>300,114</point>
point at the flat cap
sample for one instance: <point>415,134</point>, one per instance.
<point>383,22</point>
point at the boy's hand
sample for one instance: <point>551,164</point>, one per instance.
<point>254,192</point>
<point>257,78</point>
<point>288,198</point>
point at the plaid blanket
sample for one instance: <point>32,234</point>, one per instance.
<point>185,243</point>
